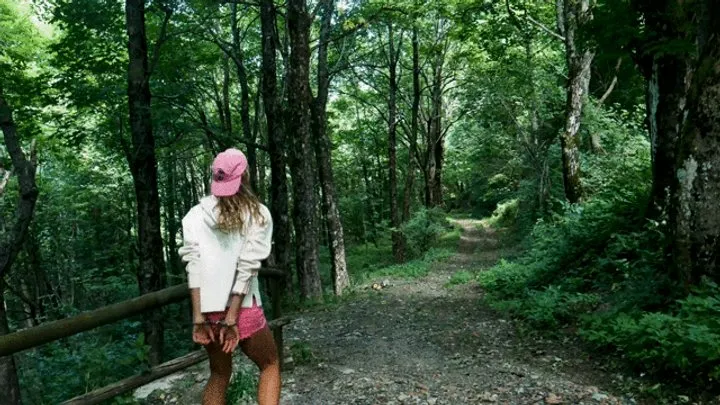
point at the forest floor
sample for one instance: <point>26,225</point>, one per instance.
<point>423,341</point>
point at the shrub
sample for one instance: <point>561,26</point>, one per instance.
<point>423,230</point>
<point>684,342</point>
<point>506,213</point>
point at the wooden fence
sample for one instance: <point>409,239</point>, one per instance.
<point>48,332</point>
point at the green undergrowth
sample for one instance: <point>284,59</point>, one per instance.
<point>242,386</point>
<point>412,269</point>
<point>430,236</point>
<point>599,270</point>
<point>460,278</point>
<point>90,360</point>
<point>302,353</point>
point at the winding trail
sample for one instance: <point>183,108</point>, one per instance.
<point>423,342</point>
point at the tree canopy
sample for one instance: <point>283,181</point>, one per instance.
<point>589,128</point>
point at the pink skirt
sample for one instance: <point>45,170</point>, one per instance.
<point>250,320</point>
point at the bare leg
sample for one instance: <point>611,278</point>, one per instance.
<point>260,348</point>
<point>220,373</point>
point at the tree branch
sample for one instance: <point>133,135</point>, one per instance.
<point>543,27</point>
<point>160,41</point>
<point>527,17</point>
<point>614,81</point>
<point>25,169</point>
<point>366,103</point>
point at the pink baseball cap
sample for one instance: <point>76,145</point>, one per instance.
<point>227,169</point>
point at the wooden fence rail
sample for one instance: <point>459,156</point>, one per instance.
<point>48,332</point>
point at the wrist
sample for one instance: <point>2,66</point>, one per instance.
<point>198,319</point>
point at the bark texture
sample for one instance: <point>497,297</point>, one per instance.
<point>695,189</point>
<point>143,166</point>
<point>323,148</point>
<point>301,158</point>
<point>576,13</point>
<point>11,243</point>
<point>668,76</point>
<point>276,141</point>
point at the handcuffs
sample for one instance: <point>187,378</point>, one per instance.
<point>220,323</point>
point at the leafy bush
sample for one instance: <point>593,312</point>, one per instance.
<point>73,366</point>
<point>505,213</point>
<point>551,308</point>
<point>600,266</point>
<point>423,230</point>
<point>684,342</point>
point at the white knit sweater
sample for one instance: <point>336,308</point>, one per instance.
<point>220,263</point>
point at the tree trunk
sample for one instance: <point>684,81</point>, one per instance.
<point>276,141</point>
<point>9,385</point>
<point>667,77</point>
<point>248,135</point>
<point>397,237</point>
<point>341,279</point>
<point>143,166</point>
<point>259,134</point>
<point>414,126</point>
<point>11,243</point>
<point>666,97</point>
<point>437,182</point>
<point>695,187</point>
<point>434,132</point>
<point>575,14</point>
<point>301,158</point>
<point>172,215</point>
<point>38,275</point>
<point>225,108</point>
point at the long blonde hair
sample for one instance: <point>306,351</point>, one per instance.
<point>234,209</point>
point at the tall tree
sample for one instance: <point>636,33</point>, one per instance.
<point>249,136</point>
<point>276,137</point>
<point>414,122</point>
<point>143,166</point>
<point>323,148</point>
<point>695,187</point>
<point>393,56</point>
<point>572,17</point>
<point>11,244</point>
<point>435,144</point>
<point>301,159</point>
<point>667,75</point>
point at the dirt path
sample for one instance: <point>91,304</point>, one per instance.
<point>422,342</point>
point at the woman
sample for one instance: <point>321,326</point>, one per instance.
<point>226,236</point>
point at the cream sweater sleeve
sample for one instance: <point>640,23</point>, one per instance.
<point>190,252</point>
<point>258,244</point>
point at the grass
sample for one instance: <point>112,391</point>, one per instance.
<point>371,263</point>
<point>413,269</point>
<point>301,353</point>
<point>459,278</point>
<point>243,385</point>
